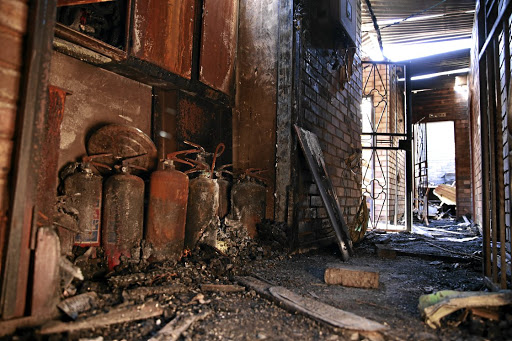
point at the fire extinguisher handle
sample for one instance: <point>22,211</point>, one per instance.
<point>195,145</point>
<point>101,165</point>
<point>200,166</point>
<point>177,159</point>
<point>89,158</point>
<point>174,155</point>
<point>255,173</point>
<point>218,152</point>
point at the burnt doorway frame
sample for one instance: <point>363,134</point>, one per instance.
<point>396,141</point>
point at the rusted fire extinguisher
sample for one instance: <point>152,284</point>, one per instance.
<point>123,215</point>
<point>224,190</point>
<point>84,190</point>
<point>167,209</point>
<point>248,200</point>
<point>203,201</point>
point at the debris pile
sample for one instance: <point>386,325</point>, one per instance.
<point>485,314</point>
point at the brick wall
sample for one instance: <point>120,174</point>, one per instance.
<point>476,152</point>
<point>505,124</point>
<point>333,114</point>
<point>463,167</point>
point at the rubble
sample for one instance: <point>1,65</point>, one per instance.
<point>434,307</point>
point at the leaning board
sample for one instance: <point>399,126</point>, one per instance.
<point>314,156</point>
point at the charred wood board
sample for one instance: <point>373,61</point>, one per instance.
<point>61,3</point>
<point>454,301</point>
<point>45,295</point>
<point>142,292</point>
<point>222,288</point>
<point>311,308</point>
<point>10,326</point>
<point>119,315</point>
<point>314,156</point>
<point>173,330</point>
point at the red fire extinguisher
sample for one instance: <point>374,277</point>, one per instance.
<point>123,215</point>
<point>84,189</point>
<point>223,179</point>
<point>167,209</point>
<point>203,201</point>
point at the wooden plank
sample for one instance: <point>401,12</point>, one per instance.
<point>46,285</point>
<point>33,111</point>
<point>173,330</point>
<point>284,132</point>
<point>313,153</point>
<point>115,316</point>
<point>9,327</point>
<point>141,293</point>
<point>163,33</point>
<point>61,3</point>
<point>326,313</point>
<point>96,45</point>
<point>352,277</point>
<point>218,44</point>
<point>447,194</point>
<point>222,288</point>
<point>311,308</point>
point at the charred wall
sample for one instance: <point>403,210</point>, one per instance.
<point>96,98</point>
<point>13,26</point>
<point>254,117</point>
<point>328,105</point>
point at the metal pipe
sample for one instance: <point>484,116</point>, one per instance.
<point>408,152</point>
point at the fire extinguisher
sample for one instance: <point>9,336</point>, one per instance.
<point>167,209</point>
<point>203,201</point>
<point>224,190</point>
<point>123,215</point>
<point>248,200</point>
<point>84,189</point>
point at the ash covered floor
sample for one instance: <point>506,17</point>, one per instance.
<point>434,258</point>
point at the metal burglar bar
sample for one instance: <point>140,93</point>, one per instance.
<point>493,20</point>
<point>384,141</point>
<point>421,170</point>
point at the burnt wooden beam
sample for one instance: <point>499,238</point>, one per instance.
<point>284,119</point>
<point>31,126</point>
<point>148,73</point>
<point>61,3</point>
<point>96,45</point>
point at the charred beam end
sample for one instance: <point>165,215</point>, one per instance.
<point>375,24</point>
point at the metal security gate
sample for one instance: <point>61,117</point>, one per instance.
<point>421,171</point>
<point>387,155</point>
<point>494,19</point>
